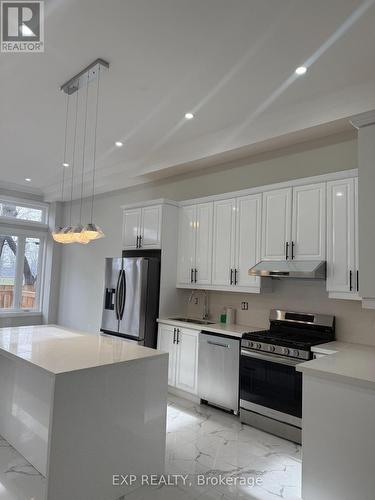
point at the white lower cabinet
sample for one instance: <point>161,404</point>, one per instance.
<point>182,345</point>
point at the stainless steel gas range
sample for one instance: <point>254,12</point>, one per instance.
<point>270,386</point>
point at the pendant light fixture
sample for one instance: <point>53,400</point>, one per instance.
<point>80,233</point>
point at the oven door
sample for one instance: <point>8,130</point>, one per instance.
<point>271,386</point>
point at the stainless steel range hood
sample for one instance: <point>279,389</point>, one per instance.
<point>308,269</point>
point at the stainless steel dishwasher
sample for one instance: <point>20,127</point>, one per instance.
<point>218,370</point>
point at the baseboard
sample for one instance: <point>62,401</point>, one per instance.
<point>183,394</point>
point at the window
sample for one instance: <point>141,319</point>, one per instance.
<point>23,211</point>
<point>23,237</point>
<point>20,271</point>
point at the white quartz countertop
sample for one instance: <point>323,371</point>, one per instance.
<point>59,350</point>
<point>344,362</point>
<point>232,330</point>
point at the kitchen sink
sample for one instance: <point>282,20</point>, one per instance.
<point>192,320</point>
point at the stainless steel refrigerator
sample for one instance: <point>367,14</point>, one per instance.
<point>131,299</point>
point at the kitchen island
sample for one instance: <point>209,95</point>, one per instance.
<point>82,408</point>
<point>338,423</point>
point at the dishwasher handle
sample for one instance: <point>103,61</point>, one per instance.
<point>211,342</point>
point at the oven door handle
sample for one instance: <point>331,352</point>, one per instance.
<point>272,358</point>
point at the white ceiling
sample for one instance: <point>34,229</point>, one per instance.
<point>230,62</point>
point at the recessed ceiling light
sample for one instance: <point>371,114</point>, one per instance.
<point>119,144</point>
<point>339,193</point>
<point>65,164</point>
<point>189,116</point>
<point>301,70</point>
<point>27,179</point>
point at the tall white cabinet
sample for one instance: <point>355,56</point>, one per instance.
<point>294,223</point>
<point>236,243</point>
<point>195,244</point>
<point>342,239</point>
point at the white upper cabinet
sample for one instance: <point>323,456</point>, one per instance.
<point>150,227</point>
<point>247,247</point>
<point>203,249</point>
<point>236,243</point>
<point>342,261</point>
<point>131,228</point>
<point>220,240</point>
<point>195,244</point>
<point>143,225</point>
<point>223,242</point>
<point>186,244</point>
<point>294,223</point>
<point>276,224</point>
<point>309,223</point>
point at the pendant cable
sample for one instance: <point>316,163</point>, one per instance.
<point>94,158</point>
<point>74,155</point>
<point>84,148</point>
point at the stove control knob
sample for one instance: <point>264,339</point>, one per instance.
<point>259,346</point>
<point>295,353</point>
<point>285,350</point>
<point>251,344</point>
<point>272,348</point>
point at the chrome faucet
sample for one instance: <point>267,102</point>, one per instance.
<point>205,312</point>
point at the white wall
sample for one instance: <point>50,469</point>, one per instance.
<point>83,266</point>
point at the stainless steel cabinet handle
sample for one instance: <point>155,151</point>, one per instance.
<point>174,335</point>
<point>195,275</point>
<point>226,346</point>
<point>231,276</point>
<point>191,275</point>
<point>137,242</point>
<point>178,335</point>
<point>286,250</point>
<point>350,280</point>
<point>292,250</point>
<point>235,277</point>
<point>357,280</point>
<point>140,242</point>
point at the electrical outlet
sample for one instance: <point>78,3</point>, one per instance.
<point>196,302</point>
<point>244,306</point>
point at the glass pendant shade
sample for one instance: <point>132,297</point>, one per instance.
<point>57,235</point>
<point>93,232</point>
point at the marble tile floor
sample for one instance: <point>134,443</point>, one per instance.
<point>204,445</point>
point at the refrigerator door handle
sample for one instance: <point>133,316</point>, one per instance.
<point>123,293</point>
<point>117,296</point>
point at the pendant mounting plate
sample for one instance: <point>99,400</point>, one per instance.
<point>90,73</point>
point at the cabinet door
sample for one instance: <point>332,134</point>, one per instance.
<point>276,223</point>
<point>340,236</point>
<point>151,227</point>
<point>186,244</point>
<point>165,343</point>
<point>248,228</point>
<point>309,222</point>
<point>223,242</point>
<point>356,239</point>
<point>203,248</point>
<point>187,360</point>
<point>131,228</point>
